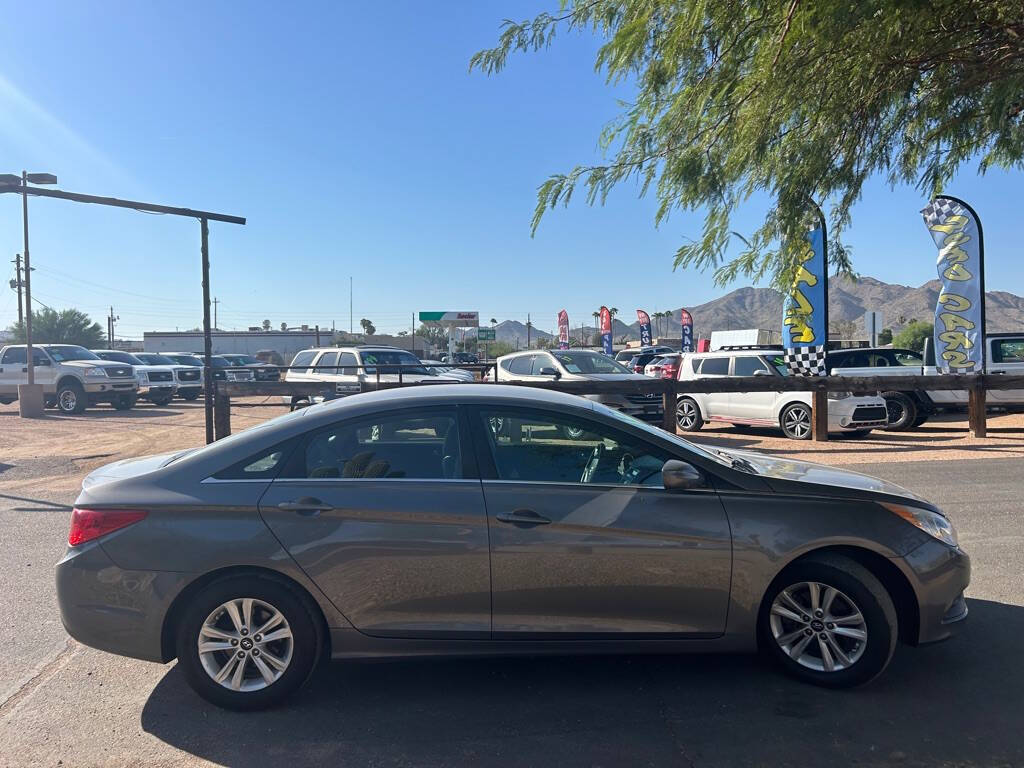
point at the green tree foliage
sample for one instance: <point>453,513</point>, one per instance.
<point>436,336</point>
<point>69,326</point>
<point>266,325</point>
<point>499,348</point>
<point>368,327</point>
<point>885,336</point>
<point>792,100</point>
<point>913,335</point>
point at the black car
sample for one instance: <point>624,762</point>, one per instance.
<point>263,371</point>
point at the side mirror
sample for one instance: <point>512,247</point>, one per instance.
<point>548,371</point>
<point>679,476</point>
<point>761,372</point>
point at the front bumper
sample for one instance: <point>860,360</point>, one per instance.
<point>113,609</point>
<point>939,575</point>
<point>110,387</point>
<point>851,414</point>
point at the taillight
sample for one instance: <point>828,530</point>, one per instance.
<point>89,524</point>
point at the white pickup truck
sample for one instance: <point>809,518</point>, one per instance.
<point>1004,353</point>
<point>72,377</point>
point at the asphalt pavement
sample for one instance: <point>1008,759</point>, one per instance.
<point>956,703</point>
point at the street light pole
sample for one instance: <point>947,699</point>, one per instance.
<point>28,282</point>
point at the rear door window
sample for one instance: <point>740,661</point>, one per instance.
<point>715,366</point>
<point>327,363</point>
<point>348,362</point>
<point>412,445</point>
<point>1010,351</point>
<point>521,365</point>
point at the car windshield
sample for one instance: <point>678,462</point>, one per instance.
<point>246,359</point>
<point>154,359</point>
<point>661,433</point>
<point>393,362</point>
<point>187,360</point>
<point>780,364</point>
<point>65,352</point>
<point>590,362</point>
<point>121,357</point>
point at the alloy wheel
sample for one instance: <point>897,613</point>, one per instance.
<point>895,410</point>
<point>818,626</point>
<point>797,422</point>
<point>245,644</point>
<point>686,414</point>
<point>68,400</point>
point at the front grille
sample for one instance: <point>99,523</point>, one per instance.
<point>160,376</point>
<point>188,375</point>
<point>651,399</point>
<point>120,372</point>
<point>267,374</point>
<point>870,413</point>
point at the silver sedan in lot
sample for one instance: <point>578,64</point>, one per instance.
<point>404,522</point>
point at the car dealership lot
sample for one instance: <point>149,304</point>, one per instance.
<point>958,702</point>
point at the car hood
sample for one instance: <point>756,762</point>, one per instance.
<point>126,468</point>
<point>816,477</point>
<point>93,364</point>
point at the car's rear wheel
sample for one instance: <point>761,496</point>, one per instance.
<point>246,643</point>
<point>688,416</point>
<point>827,620</point>
<point>901,409</point>
<point>190,395</point>
<point>795,421</point>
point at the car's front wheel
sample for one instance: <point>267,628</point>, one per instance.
<point>827,620</point>
<point>796,421</point>
<point>71,397</point>
<point>246,643</point>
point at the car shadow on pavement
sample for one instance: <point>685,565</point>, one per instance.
<point>958,702</point>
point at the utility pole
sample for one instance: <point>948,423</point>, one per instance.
<point>17,279</point>
<point>528,324</point>
<point>215,302</point>
<point>318,335</point>
<point>110,328</point>
<point>350,304</point>
<point>412,332</point>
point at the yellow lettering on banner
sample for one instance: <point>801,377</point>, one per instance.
<point>952,322</point>
<point>957,359</point>
<point>954,302</point>
<point>953,224</point>
<point>957,272</point>
<point>797,316</point>
<point>955,340</point>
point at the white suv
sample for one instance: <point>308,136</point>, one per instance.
<point>856,414</point>
<point>347,367</point>
<point>581,365</point>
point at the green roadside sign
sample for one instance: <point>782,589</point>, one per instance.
<point>485,334</point>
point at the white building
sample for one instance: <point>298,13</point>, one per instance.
<point>285,343</point>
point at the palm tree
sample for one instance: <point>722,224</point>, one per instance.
<point>493,321</point>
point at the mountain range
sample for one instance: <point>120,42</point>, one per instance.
<point>762,308</point>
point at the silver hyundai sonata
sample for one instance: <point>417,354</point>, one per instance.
<point>491,519</point>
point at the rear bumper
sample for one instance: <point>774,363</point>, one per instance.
<point>112,609</point>
<point>940,576</point>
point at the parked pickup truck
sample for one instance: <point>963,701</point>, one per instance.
<point>1004,353</point>
<point>72,377</point>
<point>156,382</point>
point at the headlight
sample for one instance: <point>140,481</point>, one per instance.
<point>95,372</point>
<point>930,522</point>
<point>838,395</point>
<point>143,377</point>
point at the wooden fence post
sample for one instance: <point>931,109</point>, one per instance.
<point>221,414</point>
<point>819,416</point>
<point>976,417</point>
<point>668,402</point>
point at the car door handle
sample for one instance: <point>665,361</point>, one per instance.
<point>522,517</point>
<point>306,505</point>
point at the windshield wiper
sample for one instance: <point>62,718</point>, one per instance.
<point>737,463</point>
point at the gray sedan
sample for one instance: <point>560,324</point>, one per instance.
<point>490,519</point>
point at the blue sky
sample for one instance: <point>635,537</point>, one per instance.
<point>355,141</point>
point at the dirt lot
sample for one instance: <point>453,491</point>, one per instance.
<point>53,453</point>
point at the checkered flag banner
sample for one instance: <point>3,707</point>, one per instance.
<point>806,361</point>
<point>937,211</point>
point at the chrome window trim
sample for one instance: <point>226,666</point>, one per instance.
<point>292,480</point>
<point>211,480</point>
<point>597,485</point>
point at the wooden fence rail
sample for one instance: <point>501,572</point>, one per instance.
<point>669,389</point>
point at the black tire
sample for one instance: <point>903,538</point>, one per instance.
<point>193,395</point>
<point>871,599</point>
<point>124,402</point>
<point>795,421</point>
<point>688,416</point>
<point>921,419</point>
<point>902,411</point>
<point>160,402</point>
<point>71,397</point>
<point>300,621</point>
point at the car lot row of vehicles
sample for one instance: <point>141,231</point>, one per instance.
<point>74,378</point>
